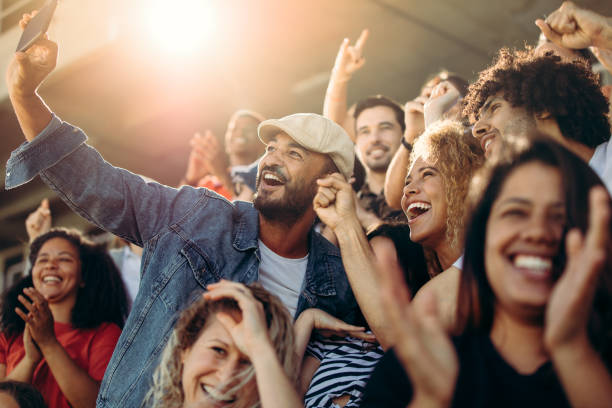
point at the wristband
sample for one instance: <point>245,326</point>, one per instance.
<point>407,145</point>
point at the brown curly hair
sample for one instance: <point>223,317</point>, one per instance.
<point>457,155</point>
<point>568,91</point>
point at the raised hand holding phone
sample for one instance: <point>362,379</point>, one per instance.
<point>36,25</point>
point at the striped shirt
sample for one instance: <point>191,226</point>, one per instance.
<point>345,367</point>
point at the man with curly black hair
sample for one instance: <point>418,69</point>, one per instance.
<point>523,93</point>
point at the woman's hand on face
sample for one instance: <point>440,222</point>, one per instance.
<point>32,352</point>
<point>250,332</point>
<point>39,317</point>
<point>571,300</point>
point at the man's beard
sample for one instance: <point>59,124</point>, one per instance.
<point>295,201</point>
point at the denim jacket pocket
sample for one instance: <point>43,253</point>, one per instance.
<point>204,270</point>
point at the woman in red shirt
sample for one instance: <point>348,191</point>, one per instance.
<point>60,323</point>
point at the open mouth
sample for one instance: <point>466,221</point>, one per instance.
<point>535,265</point>
<point>378,151</point>
<point>51,279</point>
<point>217,396</point>
<point>486,141</point>
<point>417,209</point>
<point>273,179</point>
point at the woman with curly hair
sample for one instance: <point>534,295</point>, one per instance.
<point>60,323</point>
<point>535,298</point>
<point>442,163</point>
<point>234,347</point>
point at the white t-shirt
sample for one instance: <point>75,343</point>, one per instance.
<point>282,276</point>
<point>459,263</point>
<point>130,272</point>
<point>601,162</point>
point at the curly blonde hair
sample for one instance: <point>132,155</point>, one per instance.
<point>457,155</point>
<point>167,389</point>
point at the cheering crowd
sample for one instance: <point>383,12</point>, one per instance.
<point>454,251</point>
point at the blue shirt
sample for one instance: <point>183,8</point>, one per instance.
<point>191,237</point>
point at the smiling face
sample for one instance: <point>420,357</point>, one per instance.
<point>523,236</point>
<point>56,273</point>
<point>286,179</point>
<point>378,137</point>
<point>211,367</point>
<point>498,120</point>
<point>241,137</point>
<point>424,203</point>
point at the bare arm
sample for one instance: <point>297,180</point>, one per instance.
<point>75,383</point>
<point>395,179</point>
<point>444,287</point>
<point>334,204</point>
<point>26,71</point>
<point>77,386</point>
<point>348,61</point>
<point>317,319</point>
<point>252,338</point>
<point>573,27</point>
<point>25,368</point>
<point>585,379</point>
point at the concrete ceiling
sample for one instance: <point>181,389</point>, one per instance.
<point>270,56</point>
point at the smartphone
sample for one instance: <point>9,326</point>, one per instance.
<point>37,26</point>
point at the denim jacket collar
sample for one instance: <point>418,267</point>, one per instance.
<point>319,278</point>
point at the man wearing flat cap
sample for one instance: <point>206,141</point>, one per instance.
<point>191,237</point>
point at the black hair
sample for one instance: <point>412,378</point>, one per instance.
<point>380,100</point>
<point>102,299</point>
<point>409,254</point>
<point>476,298</point>
<point>568,91</point>
<point>24,394</point>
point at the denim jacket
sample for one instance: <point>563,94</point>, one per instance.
<point>191,237</point>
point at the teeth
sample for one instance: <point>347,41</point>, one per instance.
<point>533,262</point>
<point>270,176</point>
<point>214,393</point>
<point>487,143</point>
<point>423,206</point>
<point>48,279</point>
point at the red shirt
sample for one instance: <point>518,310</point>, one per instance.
<point>214,184</point>
<point>91,349</point>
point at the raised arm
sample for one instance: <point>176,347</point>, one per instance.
<point>26,71</point>
<point>398,168</point>
<point>584,376</point>
<point>114,199</point>
<point>573,27</point>
<point>335,206</point>
<point>348,61</point>
<point>75,383</point>
<point>251,337</point>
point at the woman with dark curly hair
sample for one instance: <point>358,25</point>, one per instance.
<point>535,299</point>
<point>234,347</point>
<point>60,323</point>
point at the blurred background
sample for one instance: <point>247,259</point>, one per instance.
<point>141,76</point>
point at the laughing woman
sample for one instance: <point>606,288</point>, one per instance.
<point>535,299</point>
<point>231,348</point>
<point>60,323</point>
